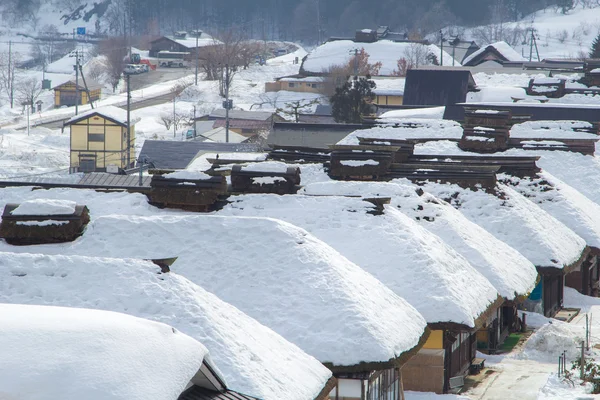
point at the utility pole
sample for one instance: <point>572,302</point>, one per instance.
<point>128,157</point>
<point>11,77</point>
<point>174,124</point>
<point>197,56</point>
<point>319,22</point>
<point>355,61</point>
<point>227,103</point>
<point>531,45</point>
<point>441,48</point>
<point>194,120</point>
<point>76,81</point>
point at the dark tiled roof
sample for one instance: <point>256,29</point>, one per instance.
<point>167,154</point>
<point>323,109</point>
<point>198,393</point>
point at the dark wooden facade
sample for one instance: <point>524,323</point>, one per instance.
<point>586,277</point>
<point>438,87</point>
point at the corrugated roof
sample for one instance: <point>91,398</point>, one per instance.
<point>167,154</point>
<point>240,114</point>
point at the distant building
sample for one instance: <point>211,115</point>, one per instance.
<point>497,53</point>
<point>181,42</point>
<point>297,83</point>
<point>99,141</point>
<point>69,94</point>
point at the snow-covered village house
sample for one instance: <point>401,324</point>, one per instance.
<point>494,54</point>
<point>244,359</point>
<point>69,93</point>
<point>404,256</point>
<point>507,270</point>
<point>183,42</point>
<point>99,140</point>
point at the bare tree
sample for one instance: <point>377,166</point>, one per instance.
<point>28,90</point>
<point>167,120</point>
<point>297,107</point>
<point>223,59</point>
<point>415,55</point>
<point>9,74</point>
<point>115,51</point>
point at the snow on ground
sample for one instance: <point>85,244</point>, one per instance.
<point>509,271</point>
<point>318,288</point>
<point>43,151</point>
<point>339,52</point>
<point>559,35</point>
<point>74,353</point>
<point>253,359</point>
<point>395,249</point>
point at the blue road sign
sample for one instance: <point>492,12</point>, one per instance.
<point>81,30</point>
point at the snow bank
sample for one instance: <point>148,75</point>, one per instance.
<point>276,273</point>
<point>408,129</point>
<point>413,262</point>
<point>45,207</point>
<point>252,358</point>
<point>550,340</point>
<point>72,354</point>
<point>508,271</point>
<point>515,220</point>
<point>496,94</point>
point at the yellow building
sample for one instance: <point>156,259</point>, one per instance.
<point>66,93</point>
<point>388,91</point>
<point>310,84</point>
<point>99,140</point>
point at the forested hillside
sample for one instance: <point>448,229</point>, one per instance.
<point>305,20</point>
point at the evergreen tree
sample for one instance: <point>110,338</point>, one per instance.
<point>352,100</point>
<point>595,50</point>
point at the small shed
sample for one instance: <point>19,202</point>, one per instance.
<point>437,86</point>
<point>70,93</point>
<point>43,221</point>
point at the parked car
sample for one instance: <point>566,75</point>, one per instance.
<point>130,69</point>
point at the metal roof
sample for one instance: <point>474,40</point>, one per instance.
<point>168,154</point>
<point>240,114</point>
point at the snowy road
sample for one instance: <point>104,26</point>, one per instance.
<point>515,379</point>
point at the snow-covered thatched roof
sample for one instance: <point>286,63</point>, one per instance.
<point>413,262</point>
<point>506,269</point>
<point>273,271</point>
<point>72,353</point>
<point>252,358</point>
